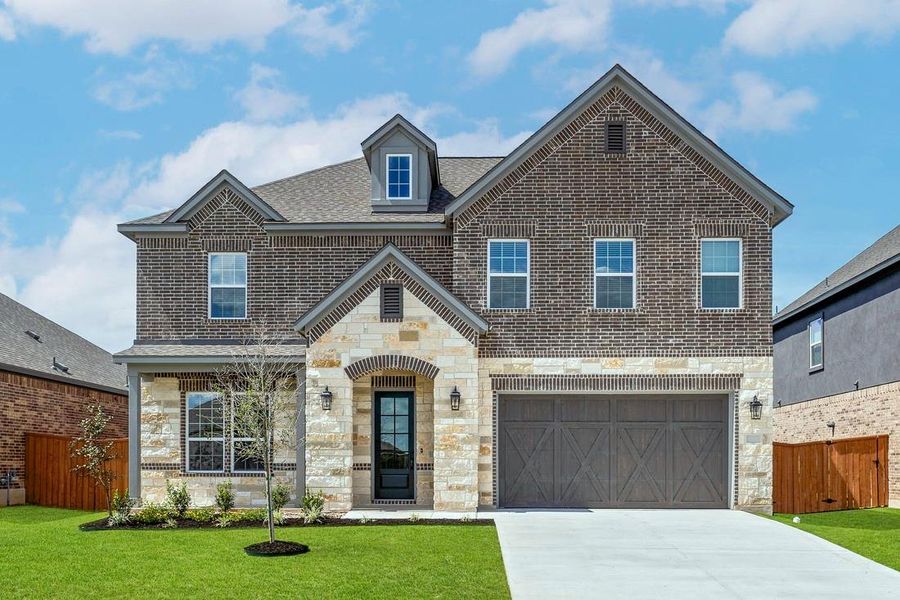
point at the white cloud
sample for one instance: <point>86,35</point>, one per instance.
<point>120,134</point>
<point>485,140</point>
<point>774,27</point>
<point>118,26</point>
<point>319,31</point>
<point>569,25</point>
<point>146,87</point>
<point>760,105</point>
<point>7,28</point>
<point>264,99</point>
<point>8,207</point>
<point>709,5</point>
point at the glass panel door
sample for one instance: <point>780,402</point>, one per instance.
<point>395,448</point>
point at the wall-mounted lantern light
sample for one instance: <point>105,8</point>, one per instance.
<point>755,409</point>
<point>454,398</point>
<point>830,425</point>
<point>326,399</point>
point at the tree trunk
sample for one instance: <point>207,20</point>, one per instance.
<point>269,502</point>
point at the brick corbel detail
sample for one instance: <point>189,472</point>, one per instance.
<point>390,362</point>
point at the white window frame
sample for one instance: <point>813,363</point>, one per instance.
<point>238,439</point>
<point>188,439</point>
<point>739,274</point>
<point>526,274</point>
<point>821,321</point>
<point>633,273</point>
<point>210,286</point>
<point>387,176</point>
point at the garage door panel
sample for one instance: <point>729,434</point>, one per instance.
<point>642,458</point>
<point>530,453</point>
<point>598,451</point>
<point>585,465</point>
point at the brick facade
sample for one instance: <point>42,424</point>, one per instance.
<point>33,404</point>
<point>861,413</point>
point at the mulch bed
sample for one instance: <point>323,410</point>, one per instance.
<point>276,548</point>
<point>102,525</point>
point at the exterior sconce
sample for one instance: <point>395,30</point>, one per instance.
<point>454,398</point>
<point>326,399</point>
<point>755,409</point>
<point>830,425</point>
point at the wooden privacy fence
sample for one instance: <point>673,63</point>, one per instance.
<point>830,475</point>
<point>50,480</point>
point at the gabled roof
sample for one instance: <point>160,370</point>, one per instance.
<point>399,121</point>
<point>56,353</point>
<point>618,76</point>
<point>195,202</point>
<point>388,253</point>
<point>881,255</point>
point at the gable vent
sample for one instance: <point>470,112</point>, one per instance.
<point>391,302</point>
<point>615,137</point>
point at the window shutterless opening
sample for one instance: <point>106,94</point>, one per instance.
<point>816,343</point>
<point>509,274</point>
<point>227,285</point>
<point>721,278</point>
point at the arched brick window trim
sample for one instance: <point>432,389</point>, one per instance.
<point>392,362</point>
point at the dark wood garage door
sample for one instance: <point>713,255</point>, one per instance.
<point>603,451</point>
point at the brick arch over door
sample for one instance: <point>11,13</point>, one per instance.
<point>395,362</point>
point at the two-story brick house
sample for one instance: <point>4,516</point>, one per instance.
<point>584,322</point>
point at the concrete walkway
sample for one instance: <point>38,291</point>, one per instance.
<point>672,554</point>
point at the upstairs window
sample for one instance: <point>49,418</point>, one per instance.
<point>816,344</point>
<point>508,273</point>
<point>228,285</point>
<point>399,176</point>
<point>720,273</point>
<point>614,274</point>
<point>205,432</point>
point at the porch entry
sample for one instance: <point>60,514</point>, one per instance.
<point>394,464</point>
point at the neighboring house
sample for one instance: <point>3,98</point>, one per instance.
<point>584,322</point>
<point>48,375</point>
<point>837,356</point>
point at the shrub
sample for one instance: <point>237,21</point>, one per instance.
<point>253,514</point>
<point>415,518</point>
<point>281,495</point>
<point>120,509</point>
<point>227,519</point>
<point>177,498</point>
<point>225,496</point>
<point>313,505</point>
<point>152,513</point>
<point>204,514</point>
<point>277,517</point>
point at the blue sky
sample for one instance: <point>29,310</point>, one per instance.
<point>116,109</point>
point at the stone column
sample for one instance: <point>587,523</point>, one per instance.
<point>300,435</point>
<point>456,441</point>
<point>329,436</point>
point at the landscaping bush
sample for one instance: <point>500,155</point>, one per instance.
<point>121,509</point>
<point>225,496</point>
<point>177,498</point>
<point>204,514</point>
<point>313,506</point>
<point>281,495</point>
<point>152,513</point>
<point>252,514</point>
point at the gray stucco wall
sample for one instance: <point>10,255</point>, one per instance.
<point>862,343</point>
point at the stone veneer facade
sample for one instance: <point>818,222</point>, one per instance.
<point>860,413</point>
<point>163,446</point>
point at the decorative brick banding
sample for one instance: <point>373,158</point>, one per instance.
<point>390,362</point>
<point>617,383</point>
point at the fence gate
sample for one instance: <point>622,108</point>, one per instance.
<point>50,480</point>
<point>830,475</point>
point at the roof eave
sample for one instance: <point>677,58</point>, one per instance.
<point>193,204</point>
<point>61,379</point>
<point>853,281</point>
<point>131,230</point>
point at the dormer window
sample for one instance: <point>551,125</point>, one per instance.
<point>399,176</point>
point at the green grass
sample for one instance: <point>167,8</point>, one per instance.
<point>872,532</point>
<point>45,555</point>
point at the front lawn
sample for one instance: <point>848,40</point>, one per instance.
<point>45,555</point>
<point>872,532</point>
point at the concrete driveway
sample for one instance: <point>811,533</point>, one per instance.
<point>671,554</point>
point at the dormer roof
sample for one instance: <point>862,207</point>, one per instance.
<point>398,121</point>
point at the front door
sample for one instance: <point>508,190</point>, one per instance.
<point>394,448</point>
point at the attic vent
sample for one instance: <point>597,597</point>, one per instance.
<point>615,137</point>
<point>33,335</point>
<point>391,302</point>
<point>59,366</point>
